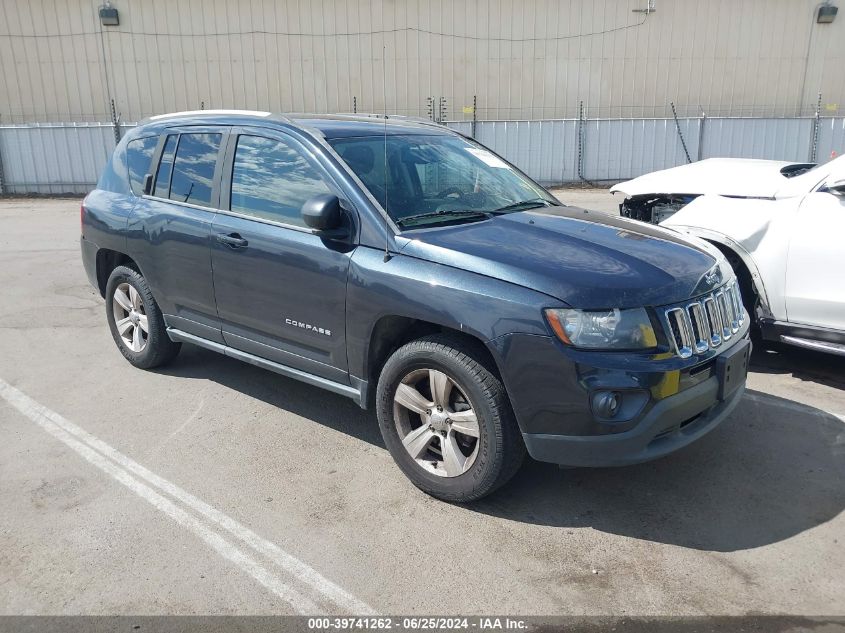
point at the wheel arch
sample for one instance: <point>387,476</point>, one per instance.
<point>107,261</point>
<point>736,253</point>
<point>390,332</point>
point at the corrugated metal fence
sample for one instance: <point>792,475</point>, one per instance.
<point>54,158</point>
<point>67,158</point>
<point>618,149</point>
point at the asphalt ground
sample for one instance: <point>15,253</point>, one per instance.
<point>213,487</point>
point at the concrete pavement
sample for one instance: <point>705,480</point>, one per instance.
<point>748,520</point>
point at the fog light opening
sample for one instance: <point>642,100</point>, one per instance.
<point>606,404</point>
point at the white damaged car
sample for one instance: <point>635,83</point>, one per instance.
<point>782,227</point>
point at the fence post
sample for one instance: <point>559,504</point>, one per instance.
<point>582,137</point>
<point>354,105</point>
<point>115,121</point>
<point>2,174</point>
<point>680,134</point>
<point>701,123</point>
<point>814,143</point>
<point>474,113</point>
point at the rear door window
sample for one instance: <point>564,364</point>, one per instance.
<point>165,167</point>
<point>193,169</point>
<point>139,153</point>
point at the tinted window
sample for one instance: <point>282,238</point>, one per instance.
<point>162,186</point>
<point>139,153</point>
<point>431,174</point>
<point>272,180</point>
<point>193,170</point>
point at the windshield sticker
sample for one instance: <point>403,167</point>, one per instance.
<point>487,157</point>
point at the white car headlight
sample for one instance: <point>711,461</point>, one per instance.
<point>613,329</point>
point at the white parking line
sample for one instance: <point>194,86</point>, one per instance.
<point>88,446</point>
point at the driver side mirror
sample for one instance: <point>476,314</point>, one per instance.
<point>323,214</point>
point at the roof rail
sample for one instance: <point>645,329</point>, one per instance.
<point>199,112</point>
<point>400,117</point>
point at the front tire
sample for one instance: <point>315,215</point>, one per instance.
<point>135,320</point>
<point>446,419</point>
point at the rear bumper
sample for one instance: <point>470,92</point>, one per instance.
<point>89,260</point>
<point>671,424</point>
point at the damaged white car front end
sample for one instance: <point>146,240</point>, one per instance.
<point>783,236</point>
<point>657,196</point>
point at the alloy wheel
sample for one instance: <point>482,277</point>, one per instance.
<point>130,317</point>
<point>436,422</point>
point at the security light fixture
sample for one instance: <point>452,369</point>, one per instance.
<point>827,13</point>
<point>108,15</point>
<point>650,8</point>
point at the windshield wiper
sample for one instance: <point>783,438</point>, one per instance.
<point>524,205</point>
<point>468,213</point>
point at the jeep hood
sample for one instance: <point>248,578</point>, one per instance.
<point>586,259</point>
<point>734,177</point>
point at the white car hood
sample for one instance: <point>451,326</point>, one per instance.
<point>743,177</point>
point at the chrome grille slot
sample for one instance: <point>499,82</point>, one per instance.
<point>731,301</point>
<point>724,312</point>
<point>714,321</point>
<point>700,329</point>
<point>681,331</point>
<point>739,309</point>
<point>706,323</point>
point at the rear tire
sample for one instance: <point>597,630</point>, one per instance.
<point>135,320</point>
<point>446,419</point>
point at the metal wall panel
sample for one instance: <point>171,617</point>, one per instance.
<point>831,138</point>
<point>783,139</point>
<point>623,149</point>
<point>53,159</point>
<point>619,149</point>
<point>535,59</point>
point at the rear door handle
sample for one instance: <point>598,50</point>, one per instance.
<point>232,240</point>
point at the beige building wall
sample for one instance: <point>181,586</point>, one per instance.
<point>527,59</point>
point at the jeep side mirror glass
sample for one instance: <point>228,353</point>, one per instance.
<point>322,213</point>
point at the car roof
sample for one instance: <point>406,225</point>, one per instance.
<point>330,126</point>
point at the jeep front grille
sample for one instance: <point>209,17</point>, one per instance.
<point>707,322</point>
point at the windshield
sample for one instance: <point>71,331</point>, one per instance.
<point>438,178</point>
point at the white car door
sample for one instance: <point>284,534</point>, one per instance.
<point>815,267</point>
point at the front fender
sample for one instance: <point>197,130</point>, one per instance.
<point>756,230</point>
<point>738,249</point>
<point>482,307</point>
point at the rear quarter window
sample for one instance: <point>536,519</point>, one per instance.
<point>139,154</point>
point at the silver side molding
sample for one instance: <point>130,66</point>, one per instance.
<point>284,370</point>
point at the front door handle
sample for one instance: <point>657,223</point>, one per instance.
<point>232,240</point>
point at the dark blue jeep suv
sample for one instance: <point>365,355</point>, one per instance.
<point>409,268</point>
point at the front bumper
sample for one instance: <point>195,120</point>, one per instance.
<point>671,424</point>
<point>552,388</point>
